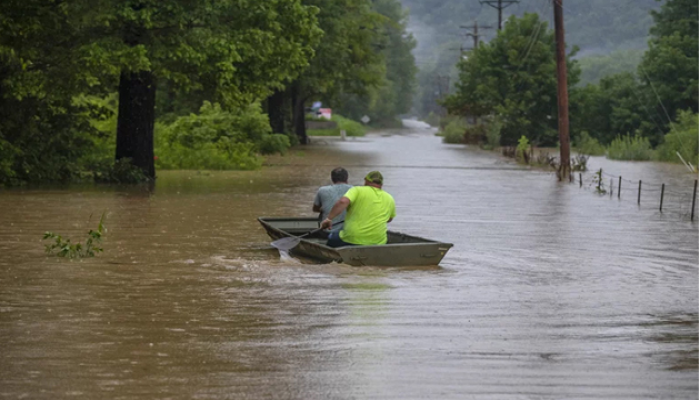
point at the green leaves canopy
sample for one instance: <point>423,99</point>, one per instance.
<point>514,78</point>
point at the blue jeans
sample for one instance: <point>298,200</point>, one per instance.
<point>334,240</point>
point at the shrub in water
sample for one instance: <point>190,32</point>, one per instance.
<point>351,128</point>
<point>683,139</point>
<point>274,143</point>
<point>454,131</point>
<point>217,139</point>
<point>586,144</point>
<point>67,249</point>
<point>635,148</point>
<point>522,152</point>
<point>493,133</point>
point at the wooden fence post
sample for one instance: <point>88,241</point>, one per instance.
<point>639,194</point>
<point>619,186</point>
<point>695,194</point>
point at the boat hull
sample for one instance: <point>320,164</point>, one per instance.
<point>400,250</point>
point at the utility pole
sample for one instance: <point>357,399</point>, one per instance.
<point>562,92</point>
<point>499,5</point>
<point>475,32</point>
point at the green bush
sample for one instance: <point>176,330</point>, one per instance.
<point>217,139</point>
<point>274,143</point>
<point>493,133</point>
<point>454,131</point>
<point>522,152</point>
<point>635,148</point>
<point>432,119</point>
<point>585,144</point>
<point>683,139</point>
<point>119,171</point>
<point>475,133</point>
<point>351,128</point>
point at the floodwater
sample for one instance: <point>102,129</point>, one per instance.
<point>552,290</point>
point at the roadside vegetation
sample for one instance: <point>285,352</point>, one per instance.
<point>650,114</point>
<point>351,128</point>
<point>112,93</point>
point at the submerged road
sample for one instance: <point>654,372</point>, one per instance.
<point>550,292</point>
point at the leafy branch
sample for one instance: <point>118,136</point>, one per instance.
<point>65,248</point>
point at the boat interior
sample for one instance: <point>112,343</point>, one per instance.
<point>298,227</point>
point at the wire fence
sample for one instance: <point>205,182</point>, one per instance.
<point>648,195</point>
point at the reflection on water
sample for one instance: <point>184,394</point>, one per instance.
<point>550,291</point>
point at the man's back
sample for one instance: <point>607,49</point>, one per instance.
<point>369,211</point>
<point>326,198</point>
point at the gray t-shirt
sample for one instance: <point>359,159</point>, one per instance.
<point>326,198</point>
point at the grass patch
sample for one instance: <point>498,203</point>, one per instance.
<point>323,132</point>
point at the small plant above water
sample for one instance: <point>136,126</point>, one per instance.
<point>64,247</point>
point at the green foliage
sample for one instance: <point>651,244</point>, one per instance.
<point>634,148</point>
<point>599,184</point>
<point>217,139</point>
<point>454,131</point>
<point>432,119</point>
<point>394,93</point>
<point>596,67</point>
<point>523,148</point>
<point>683,139</point>
<point>493,133</point>
<point>65,248</point>
<point>55,54</point>
<point>586,144</point>
<point>513,77</point>
<point>670,66</point>
<point>323,132</point>
<point>274,143</point>
<point>351,128</point>
<point>119,171</point>
<point>665,83</point>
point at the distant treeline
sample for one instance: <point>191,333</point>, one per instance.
<point>110,89</point>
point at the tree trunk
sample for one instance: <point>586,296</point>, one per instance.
<point>275,111</point>
<point>298,115</point>
<point>137,96</point>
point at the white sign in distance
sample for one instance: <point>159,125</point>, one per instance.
<point>365,119</point>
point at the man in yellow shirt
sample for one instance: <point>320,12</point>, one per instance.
<point>369,209</point>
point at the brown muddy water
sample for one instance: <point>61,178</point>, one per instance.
<point>550,292</point>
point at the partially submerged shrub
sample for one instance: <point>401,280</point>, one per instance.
<point>454,131</point>
<point>683,140</point>
<point>119,171</point>
<point>217,139</point>
<point>522,152</point>
<point>64,247</point>
<point>586,144</point>
<point>493,133</point>
<point>351,128</point>
<point>634,148</point>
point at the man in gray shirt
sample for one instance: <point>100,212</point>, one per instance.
<point>327,196</point>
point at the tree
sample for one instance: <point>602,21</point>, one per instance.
<point>514,77</point>
<point>345,60</point>
<point>669,68</point>
<point>241,49</point>
<point>394,96</point>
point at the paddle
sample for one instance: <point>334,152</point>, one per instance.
<point>290,242</point>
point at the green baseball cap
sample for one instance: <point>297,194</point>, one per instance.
<point>375,177</point>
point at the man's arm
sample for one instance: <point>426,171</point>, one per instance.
<point>338,208</point>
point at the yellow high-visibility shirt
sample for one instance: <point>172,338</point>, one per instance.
<point>368,213</point>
